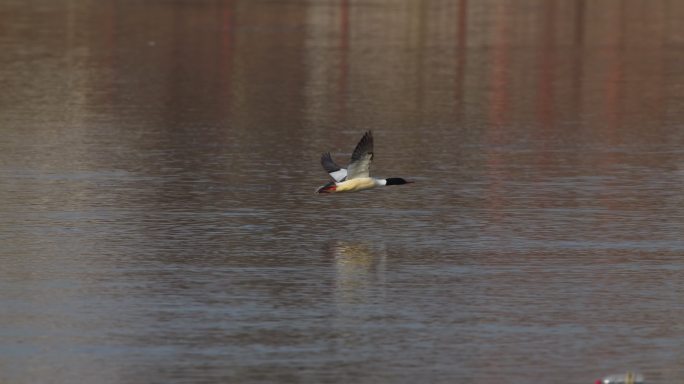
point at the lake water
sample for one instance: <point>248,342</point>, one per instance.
<point>158,161</point>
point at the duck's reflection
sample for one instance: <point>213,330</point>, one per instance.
<point>359,271</point>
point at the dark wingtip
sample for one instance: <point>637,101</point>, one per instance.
<point>328,163</point>
<point>365,145</point>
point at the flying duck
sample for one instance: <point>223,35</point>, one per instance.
<point>356,177</point>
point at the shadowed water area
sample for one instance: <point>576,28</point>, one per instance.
<point>158,161</point>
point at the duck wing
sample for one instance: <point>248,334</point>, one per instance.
<point>361,158</point>
<point>335,171</point>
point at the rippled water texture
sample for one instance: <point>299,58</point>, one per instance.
<point>158,161</point>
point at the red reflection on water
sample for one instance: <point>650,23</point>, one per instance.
<point>545,90</point>
<point>343,63</point>
<point>499,101</point>
<point>226,55</point>
<point>461,50</point>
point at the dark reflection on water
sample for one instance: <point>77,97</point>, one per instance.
<point>158,162</point>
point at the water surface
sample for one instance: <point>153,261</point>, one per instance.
<point>158,161</point>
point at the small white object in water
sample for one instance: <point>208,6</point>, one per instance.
<point>627,378</point>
